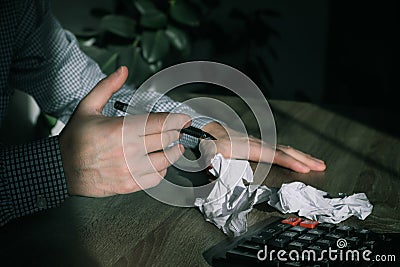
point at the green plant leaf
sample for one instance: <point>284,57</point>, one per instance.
<point>140,69</point>
<point>110,65</point>
<point>155,45</point>
<point>50,121</point>
<point>183,13</point>
<point>101,56</point>
<point>130,56</point>
<point>154,19</point>
<point>144,6</point>
<point>126,56</point>
<point>119,25</point>
<point>99,12</point>
<point>178,38</point>
<point>86,33</point>
<point>156,66</point>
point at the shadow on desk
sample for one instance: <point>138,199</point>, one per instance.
<point>359,158</point>
<point>50,238</point>
<point>124,230</point>
<point>137,230</point>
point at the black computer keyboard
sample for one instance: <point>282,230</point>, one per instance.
<point>298,242</point>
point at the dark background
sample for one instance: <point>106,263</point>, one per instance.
<point>332,53</point>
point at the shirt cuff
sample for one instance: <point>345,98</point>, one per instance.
<point>33,178</point>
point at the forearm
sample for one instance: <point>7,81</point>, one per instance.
<point>31,178</point>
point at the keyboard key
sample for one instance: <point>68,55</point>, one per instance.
<point>366,234</point>
<point>317,248</point>
<point>324,263</point>
<point>292,221</point>
<point>273,231</point>
<point>317,232</point>
<point>362,249</point>
<point>327,227</point>
<point>307,238</point>
<point>362,233</point>
<point>298,229</point>
<point>344,229</point>
<point>325,243</point>
<point>280,226</point>
<point>261,238</point>
<point>297,245</point>
<point>370,244</point>
<point>309,224</point>
<point>242,254</point>
<point>251,246</point>
<point>279,242</point>
<point>291,235</point>
<point>334,236</point>
<point>293,264</point>
<point>352,242</point>
<point>283,236</point>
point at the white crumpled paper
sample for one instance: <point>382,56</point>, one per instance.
<point>231,200</point>
<point>310,202</point>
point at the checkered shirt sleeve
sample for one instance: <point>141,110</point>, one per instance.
<point>48,64</point>
<point>32,178</point>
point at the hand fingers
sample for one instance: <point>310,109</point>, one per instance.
<point>154,142</point>
<point>260,153</point>
<point>150,179</point>
<point>257,151</point>
<point>155,165</point>
<point>162,122</point>
<point>159,161</point>
<point>285,156</point>
<point>309,161</point>
<point>94,102</point>
<point>287,161</point>
<point>237,148</point>
<point>246,148</point>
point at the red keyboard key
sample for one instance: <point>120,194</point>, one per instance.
<point>309,224</point>
<point>292,221</point>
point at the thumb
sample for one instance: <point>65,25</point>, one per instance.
<point>94,102</point>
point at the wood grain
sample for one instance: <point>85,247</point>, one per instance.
<point>136,230</point>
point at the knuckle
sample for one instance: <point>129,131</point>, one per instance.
<point>159,120</point>
<point>169,137</point>
<point>163,162</point>
<point>181,119</point>
<point>154,179</point>
<point>128,186</point>
<point>185,118</point>
<point>287,148</point>
<point>163,118</point>
<point>162,173</point>
<point>157,179</point>
<point>279,153</point>
<point>156,119</point>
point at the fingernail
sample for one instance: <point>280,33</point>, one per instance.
<point>119,70</point>
<point>304,168</point>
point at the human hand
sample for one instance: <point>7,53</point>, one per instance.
<point>233,144</point>
<point>93,152</point>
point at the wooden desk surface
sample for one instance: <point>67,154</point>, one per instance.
<point>136,230</point>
